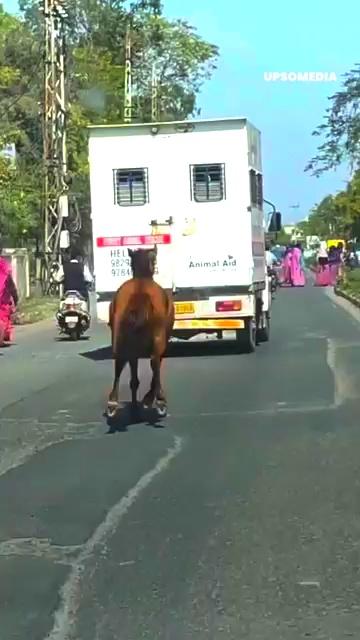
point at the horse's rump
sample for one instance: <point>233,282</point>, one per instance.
<point>139,312</point>
<point>136,316</point>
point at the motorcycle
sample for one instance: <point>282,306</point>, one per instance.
<point>274,282</point>
<point>73,316</point>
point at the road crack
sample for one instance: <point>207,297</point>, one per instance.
<point>39,548</point>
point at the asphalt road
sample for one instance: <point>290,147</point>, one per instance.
<point>238,518</point>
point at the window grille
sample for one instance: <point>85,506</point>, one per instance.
<point>208,182</point>
<point>131,187</point>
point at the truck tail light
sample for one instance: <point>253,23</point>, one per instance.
<point>229,305</point>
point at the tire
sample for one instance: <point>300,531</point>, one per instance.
<point>74,335</point>
<point>246,339</point>
<point>263,334</point>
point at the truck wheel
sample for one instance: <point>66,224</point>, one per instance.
<point>263,334</point>
<point>246,338</point>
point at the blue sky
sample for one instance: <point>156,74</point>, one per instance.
<point>277,36</point>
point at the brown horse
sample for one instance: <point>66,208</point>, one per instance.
<point>141,321</point>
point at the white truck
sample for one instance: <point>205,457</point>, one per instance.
<point>194,188</point>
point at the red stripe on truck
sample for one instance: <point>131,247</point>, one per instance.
<point>133,241</point>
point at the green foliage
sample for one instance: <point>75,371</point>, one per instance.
<point>337,215</point>
<point>351,282</point>
<point>283,238</point>
<point>95,87</point>
<point>340,129</point>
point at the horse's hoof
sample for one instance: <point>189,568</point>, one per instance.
<point>112,409</point>
<point>161,410</point>
<point>148,403</point>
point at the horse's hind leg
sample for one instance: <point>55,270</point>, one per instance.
<point>148,400</point>
<point>158,393</point>
<point>153,393</point>
<point>113,402</point>
<point>134,382</point>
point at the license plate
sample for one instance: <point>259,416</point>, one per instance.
<point>182,308</point>
<point>209,324</point>
<point>71,319</point>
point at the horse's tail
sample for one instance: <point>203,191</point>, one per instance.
<point>139,311</point>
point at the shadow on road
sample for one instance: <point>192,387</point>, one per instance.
<point>68,339</point>
<point>178,350</point>
<point>126,417</point>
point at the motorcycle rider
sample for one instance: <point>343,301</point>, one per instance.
<point>75,275</point>
<point>271,261</point>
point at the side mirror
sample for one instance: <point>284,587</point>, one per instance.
<point>275,222</point>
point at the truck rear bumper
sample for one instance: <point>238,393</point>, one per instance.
<point>214,324</point>
<point>214,312</point>
<point>200,313</point>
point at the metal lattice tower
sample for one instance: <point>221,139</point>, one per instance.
<point>54,129</point>
<point>128,83</point>
<point>154,95</point>
<point>128,78</point>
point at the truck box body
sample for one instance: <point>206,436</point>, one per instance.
<point>191,188</point>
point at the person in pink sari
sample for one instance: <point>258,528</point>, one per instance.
<point>297,267</point>
<point>286,267</point>
<point>8,301</point>
<point>323,273</point>
<point>334,263</point>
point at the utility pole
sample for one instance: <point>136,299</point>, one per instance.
<point>128,81</point>
<point>154,95</point>
<point>56,183</point>
<point>128,77</point>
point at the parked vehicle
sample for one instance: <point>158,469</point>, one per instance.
<point>73,316</point>
<point>196,190</point>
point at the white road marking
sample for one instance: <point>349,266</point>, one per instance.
<point>344,304</point>
<point>309,583</point>
<point>331,361</point>
<point>65,616</point>
<point>344,382</point>
<point>257,412</point>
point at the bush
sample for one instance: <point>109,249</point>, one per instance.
<point>351,283</point>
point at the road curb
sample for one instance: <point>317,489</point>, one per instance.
<point>347,296</point>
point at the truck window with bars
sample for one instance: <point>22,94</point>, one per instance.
<point>208,182</point>
<point>131,187</point>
